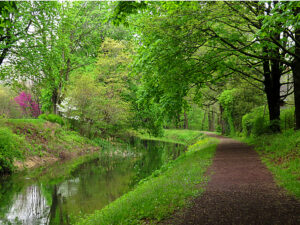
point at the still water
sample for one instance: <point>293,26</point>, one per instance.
<point>55,196</point>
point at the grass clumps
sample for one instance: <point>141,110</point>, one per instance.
<point>33,139</point>
<point>52,118</point>
<point>281,153</point>
<point>185,137</point>
<point>9,149</point>
<point>165,191</point>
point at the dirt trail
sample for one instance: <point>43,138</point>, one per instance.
<point>241,191</point>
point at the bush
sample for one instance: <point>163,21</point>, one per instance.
<point>9,150</point>
<point>256,122</point>
<point>52,118</point>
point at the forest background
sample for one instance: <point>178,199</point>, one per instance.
<point>110,69</point>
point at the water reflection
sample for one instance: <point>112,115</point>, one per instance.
<point>92,186</point>
<point>29,207</point>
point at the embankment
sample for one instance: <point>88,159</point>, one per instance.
<point>166,190</point>
<point>28,143</point>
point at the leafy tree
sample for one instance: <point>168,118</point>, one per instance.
<point>66,40</point>
<point>284,19</point>
<point>186,44</point>
<point>97,97</point>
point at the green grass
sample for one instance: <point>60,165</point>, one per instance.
<point>40,138</point>
<point>165,191</point>
<point>9,149</point>
<point>185,137</point>
<point>281,154</point>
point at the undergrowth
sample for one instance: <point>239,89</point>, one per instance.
<point>22,138</point>
<point>9,149</point>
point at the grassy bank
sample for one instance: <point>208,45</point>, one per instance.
<point>165,191</point>
<point>185,137</point>
<point>281,154</point>
<point>34,142</point>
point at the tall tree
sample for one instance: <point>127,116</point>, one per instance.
<point>68,39</point>
<point>186,44</point>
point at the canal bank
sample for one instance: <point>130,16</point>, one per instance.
<point>168,189</point>
<point>59,193</point>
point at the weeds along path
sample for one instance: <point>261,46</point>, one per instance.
<point>241,191</point>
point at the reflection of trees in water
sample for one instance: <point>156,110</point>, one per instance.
<point>154,155</point>
<point>29,207</point>
<point>57,214</point>
<point>9,188</point>
<point>92,186</point>
<point>101,180</point>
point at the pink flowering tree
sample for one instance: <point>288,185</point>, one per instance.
<point>27,104</point>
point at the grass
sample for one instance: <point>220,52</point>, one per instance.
<point>281,154</point>
<point>165,191</point>
<point>185,137</point>
<point>43,139</point>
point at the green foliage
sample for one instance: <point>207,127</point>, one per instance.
<point>35,137</point>
<point>161,194</point>
<point>226,100</point>
<point>256,122</point>
<point>185,137</point>
<point>9,149</point>
<point>287,118</point>
<point>281,154</point>
<point>52,118</point>
<point>95,98</point>
<point>8,107</point>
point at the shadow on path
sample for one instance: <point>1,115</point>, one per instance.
<point>241,191</point>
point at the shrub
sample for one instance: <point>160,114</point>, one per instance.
<point>9,150</point>
<point>28,106</point>
<point>256,122</point>
<point>52,118</point>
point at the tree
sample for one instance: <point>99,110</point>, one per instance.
<point>66,40</point>
<point>186,44</point>
<point>28,105</point>
<point>96,97</point>
<point>287,15</point>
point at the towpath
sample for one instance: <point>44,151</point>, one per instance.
<point>241,191</point>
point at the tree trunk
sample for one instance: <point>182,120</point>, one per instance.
<point>54,100</point>
<point>221,120</point>
<point>296,75</point>
<point>203,120</point>
<point>209,119</point>
<point>213,121</point>
<point>186,125</point>
<point>272,89</point>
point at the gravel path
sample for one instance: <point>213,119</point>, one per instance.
<point>241,191</point>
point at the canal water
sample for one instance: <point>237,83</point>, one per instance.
<point>61,193</point>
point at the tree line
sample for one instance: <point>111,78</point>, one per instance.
<point>109,66</point>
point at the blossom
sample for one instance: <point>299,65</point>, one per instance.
<point>27,105</point>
